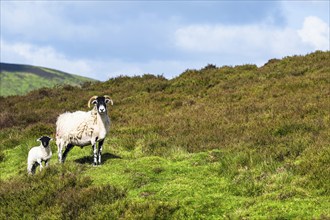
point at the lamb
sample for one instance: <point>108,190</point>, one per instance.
<point>84,128</point>
<point>38,154</point>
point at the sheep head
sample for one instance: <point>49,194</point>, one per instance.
<point>100,102</point>
<point>44,140</point>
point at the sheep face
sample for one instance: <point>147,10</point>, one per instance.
<point>45,141</point>
<point>101,104</point>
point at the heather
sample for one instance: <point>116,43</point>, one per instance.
<point>216,143</point>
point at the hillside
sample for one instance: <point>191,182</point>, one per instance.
<point>16,79</point>
<point>242,142</point>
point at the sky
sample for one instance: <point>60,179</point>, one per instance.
<point>106,39</point>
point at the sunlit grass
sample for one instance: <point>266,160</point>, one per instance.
<point>218,143</point>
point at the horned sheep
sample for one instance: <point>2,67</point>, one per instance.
<point>82,128</point>
<point>39,154</point>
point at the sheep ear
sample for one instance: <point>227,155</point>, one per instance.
<point>38,139</point>
<point>108,100</point>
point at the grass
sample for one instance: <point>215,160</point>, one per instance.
<point>204,185</point>
<point>217,143</point>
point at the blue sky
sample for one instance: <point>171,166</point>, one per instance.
<point>104,39</point>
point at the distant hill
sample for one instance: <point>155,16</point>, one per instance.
<point>17,79</point>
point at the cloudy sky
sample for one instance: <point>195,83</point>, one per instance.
<point>104,39</point>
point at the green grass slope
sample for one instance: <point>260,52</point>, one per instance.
<point>218,143</point>
<point>18,79</point>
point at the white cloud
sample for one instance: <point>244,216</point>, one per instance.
<point>296,11</point>
<point>42,21</point>
<point>25,53</point>
<point>315,32</point>
<point>225,39</point>
<point>253,40</point>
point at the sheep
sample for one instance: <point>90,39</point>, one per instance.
<point>82,128</point>
<point>38,154</point>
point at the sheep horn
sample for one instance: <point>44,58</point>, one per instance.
<point>90,100</point>
<point>108,97</point>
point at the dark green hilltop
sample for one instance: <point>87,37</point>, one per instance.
<point>17,79</point>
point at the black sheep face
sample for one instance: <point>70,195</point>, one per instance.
<point>45,141</point>
<point>101,104</point>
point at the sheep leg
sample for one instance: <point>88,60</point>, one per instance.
<point>59,150</point>
<point>31,168</point>
<point>67,149</point>
<point>40,164</point>
<point>94,154</point>
<point>47,163</point>
<point>100,151</point>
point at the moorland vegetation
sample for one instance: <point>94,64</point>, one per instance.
<point>242,142</point>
